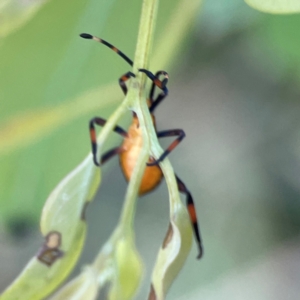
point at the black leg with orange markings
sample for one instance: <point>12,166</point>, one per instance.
<point>160,84</point>
<point>110,153</point>
<point>192,213</point>
<point>167,133</point>
<point>165,80</point>
<point>101,122</point>
<point>123,79</point>
<point>157,101</point>
<point>162,95</point>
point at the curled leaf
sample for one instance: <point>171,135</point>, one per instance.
<point>64,228</point>
<point>173,253</point>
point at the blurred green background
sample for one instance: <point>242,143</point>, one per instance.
<point>234,89</point>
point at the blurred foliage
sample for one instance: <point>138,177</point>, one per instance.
<point>267,36</point>
<point>39,83</point>
<point>15,13</point>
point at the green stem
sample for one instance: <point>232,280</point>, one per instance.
<point>146,30</point>
<point>137,102</point>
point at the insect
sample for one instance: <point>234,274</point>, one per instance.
<point>129,150</point>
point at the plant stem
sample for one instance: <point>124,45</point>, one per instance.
<point>137,101</point>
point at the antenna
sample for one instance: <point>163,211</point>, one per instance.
<point>91,37</point>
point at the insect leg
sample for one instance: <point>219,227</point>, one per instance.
<point>160,84</point>
<point>161,96</point>
<point>122,80</point>
<point>157,101</point>
<point>192,213</point>
<point>166,133</point>
<point>157,74</point>
<point>110,153</point>
<point>101,122</point>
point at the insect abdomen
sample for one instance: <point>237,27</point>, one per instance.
<point>152,175</point>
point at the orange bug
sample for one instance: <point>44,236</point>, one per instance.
<point>133,140</point>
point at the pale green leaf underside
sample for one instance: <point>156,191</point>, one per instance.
<point>275,6</point>
<point>177,243</point>
<point>62,213</point>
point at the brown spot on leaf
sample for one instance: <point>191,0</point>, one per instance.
<point>53,239</point>
<point>168,236</point>
<point>152,295</point>
<point>84,211</point>
<point>49,251</point>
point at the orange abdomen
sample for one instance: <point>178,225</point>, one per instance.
<point>131,147</point>
<point>152,175</point>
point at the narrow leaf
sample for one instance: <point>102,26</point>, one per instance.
<point>275,6</point>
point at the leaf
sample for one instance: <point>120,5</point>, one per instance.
<point>275,6</point>
<point>128,270</point>
<point>64,228</point>
<point>173,253</point>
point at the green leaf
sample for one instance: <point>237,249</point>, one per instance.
<point>174,251</point>
<point>128,270</point>
<point>275,6</point>
<point>63,216</point>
